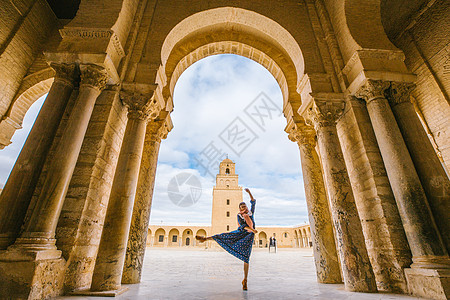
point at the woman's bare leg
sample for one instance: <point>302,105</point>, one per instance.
<point>244,282</point>
<point>245,270</point>
<point>203,238</point>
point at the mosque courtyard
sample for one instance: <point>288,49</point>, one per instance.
<point>214,274</point>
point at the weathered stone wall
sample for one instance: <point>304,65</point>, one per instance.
<point>427,50</point>
<point>25,27</point>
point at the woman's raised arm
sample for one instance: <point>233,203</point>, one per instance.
<point>250,194</point>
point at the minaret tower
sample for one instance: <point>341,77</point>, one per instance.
<point>227,195</point>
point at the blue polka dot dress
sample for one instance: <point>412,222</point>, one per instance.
<point>238,242</point>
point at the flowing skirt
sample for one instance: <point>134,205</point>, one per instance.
<point>238,243</point>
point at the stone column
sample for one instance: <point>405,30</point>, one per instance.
<point>432,175</point>
<point>113,244</point>
<point>19,188</point>
<point>381,224</point>
<point>40,229</point>
<point>42,268</point>
<point>137,239</point>
<point>428,250</point>
<point>356,267</point>
<point>325,256</point>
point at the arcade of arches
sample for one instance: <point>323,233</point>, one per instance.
<point>227,194</point>
<point>365,87</point>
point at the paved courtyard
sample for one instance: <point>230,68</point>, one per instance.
<point>211,274</point>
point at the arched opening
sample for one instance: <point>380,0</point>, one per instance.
<point>262,239</point>
<point>159,239</point>
<point>188,237</point>
<point>174,236</point>
<point>9,154</point>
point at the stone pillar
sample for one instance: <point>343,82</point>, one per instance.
<point>137,238</point>
<point>381,224</point>
<point>113,244</point>
<point>429,273</point>
<point>19,188</point>
<point>42,267</point>
<point>432,175</point>
<point>325,256</point>
<point>356,267</point>
<point>40,228</point>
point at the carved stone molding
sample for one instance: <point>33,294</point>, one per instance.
<point>399,92</point>
<point>372,89</point>
<point>84,33</point>
<point>325,113</point>
<point>65,73</point>
<point>94,76</point>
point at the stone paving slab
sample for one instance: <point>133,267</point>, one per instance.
<point>215,274</point>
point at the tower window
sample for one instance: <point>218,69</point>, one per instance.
<point>227,171</point>
<point>228,213</point>
<point>174,239</point>
<point>228,227</point>
<point>188,232</point>
<point>228,201</point>
<point>161,238</point>
<point>285,234</point>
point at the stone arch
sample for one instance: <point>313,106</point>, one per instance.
<point>262,239</point>
<point>231,47</point>
<point>357,25</point>
<point>237,31</point>
<point>296,239</point>
<point>201,232</point>
<point>32,88</point>
<point>188,237</point>
<point>158,232</point>
<point>364,24</point>
<point>174,232</point>
<point>232,17</point>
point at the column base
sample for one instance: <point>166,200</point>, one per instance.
<point>6,240</point>
<point>112,293</point>
<point>31,275</point>
<point>429,283</point>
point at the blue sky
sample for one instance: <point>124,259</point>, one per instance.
<point>214,98</point>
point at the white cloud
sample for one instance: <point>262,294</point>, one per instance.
<point>208,97</point>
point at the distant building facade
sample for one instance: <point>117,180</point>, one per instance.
<point>227,194</point>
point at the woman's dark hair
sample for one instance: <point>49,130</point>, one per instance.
<point>242,203</point>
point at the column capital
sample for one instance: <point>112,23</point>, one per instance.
<point>326,112</point>
<point>372,89</point>
<point>302,134</point>
<point>140,100</point>
<point>158,129</point>
<point>65,73</point>
<point>94,76</point>
<point>399,92</point>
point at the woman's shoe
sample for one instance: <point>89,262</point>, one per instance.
<point>244,284</point>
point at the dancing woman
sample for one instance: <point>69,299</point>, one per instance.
<point>239,242</point>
